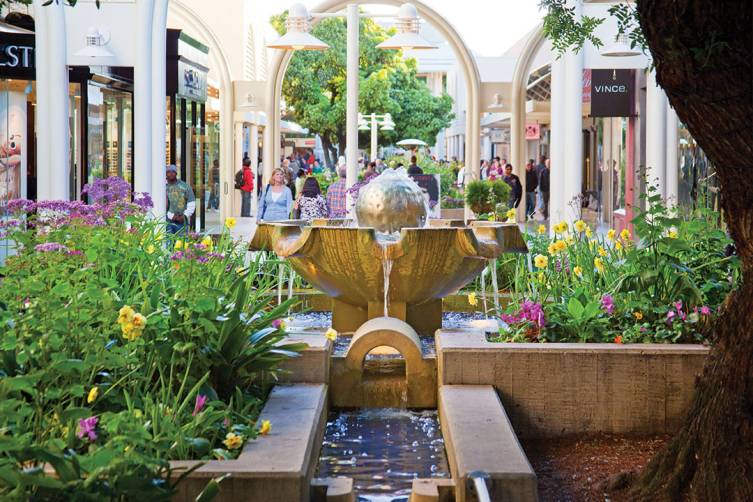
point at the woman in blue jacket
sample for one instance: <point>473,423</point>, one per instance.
<point>276,199</point>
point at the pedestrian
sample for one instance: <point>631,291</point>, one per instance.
<point>516,189</point>
<point>484,173</point>
<point>310,203</point>
<point>300,179</point>
<point>540,167</point>
<point>370,171</point>
<point>414,168</point>
<point>337,195</point>
<point>181,202</point>
<point>277,199</point>
<point>246,188</point>
<point>495,170</point>
<point>544,188</point>
<point>532,182</point>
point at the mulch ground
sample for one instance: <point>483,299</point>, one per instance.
<point>585,468</point>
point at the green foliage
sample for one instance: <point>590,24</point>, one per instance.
<point>564,31</point>
<point>314,86</point>
<point>664,288</point>
<point>67,320</point>
<point>484,196</point>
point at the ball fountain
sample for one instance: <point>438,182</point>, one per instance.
<point>393,262</point>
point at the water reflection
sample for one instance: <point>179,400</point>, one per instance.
<point>383,450</point>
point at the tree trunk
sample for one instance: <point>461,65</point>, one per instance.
<point>327,146</point>
<point>702,50</point>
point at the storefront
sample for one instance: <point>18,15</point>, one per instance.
<point>192,143</point>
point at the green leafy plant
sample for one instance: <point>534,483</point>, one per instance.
<point>483,196</point>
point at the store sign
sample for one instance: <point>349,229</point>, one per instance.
<point>533,131</point>
<point>500,136</point>
<point>612,93</point>
<point>192,82</point>
<point>305,142</point>
<point>586,85</point>
<point>16,56</point>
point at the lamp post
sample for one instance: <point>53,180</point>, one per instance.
<point>370,123</point>
<point>407,37</point>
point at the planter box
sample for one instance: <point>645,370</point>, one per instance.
<point>455,213</point>
<point>312,364</point>
<point>555,389</point>
<point>277,467</point>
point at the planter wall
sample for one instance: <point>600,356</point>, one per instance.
<point>277,467</point>
<point>560,389</point>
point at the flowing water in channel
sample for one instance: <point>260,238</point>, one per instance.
<point>383,450</point>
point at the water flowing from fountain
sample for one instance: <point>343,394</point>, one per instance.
<point>495,285</point>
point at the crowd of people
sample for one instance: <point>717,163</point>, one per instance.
<point>536,186</point>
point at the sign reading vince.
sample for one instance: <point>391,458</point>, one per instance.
<point>612,93</point>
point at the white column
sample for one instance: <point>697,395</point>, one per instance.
<point>158,111</point>
<point>253,152</point>
<point>237,163</point>
<point>557,160</point>
<point>673,161</point>
<point>42,63</point>
<point>142,98</point>
<point>53,176</point>
<point>573,166</point>
<point>373,137</point>
<point>656,123</point>
<point>351,112</point>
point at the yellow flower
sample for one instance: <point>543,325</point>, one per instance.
<point>511,215</point>
<point>599,264</point>
<point>589,232</point>
<point>93,393</point>
<point>472,299</point>
<point>150,249</point>
<point>618,246</point>
<point>570,240</point>
<point>580,226</point>
<point>125,315</point>
<point>207,242</point>
<point>560,228</point>
<point>541,261</point>
<point>139,321</point>
<point>625,234</point>
<point>230,223</point>
<point>638,315</point>
<point>672,234</point>
<point>540,275</point>
<point>232,441</point>
<point>266,426</point>
<point>560,245</point>
<point>611,234</point>
<point>331,334</point>
<point>179,245</point>
<point>552,249</point>
<point>578,271</point>
<point>602,251</point>
<point>130,333</point>
<point>542,229</point>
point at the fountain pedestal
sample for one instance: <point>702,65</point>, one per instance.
<point>425,318</point>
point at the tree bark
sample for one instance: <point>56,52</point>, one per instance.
<point>702,50</point>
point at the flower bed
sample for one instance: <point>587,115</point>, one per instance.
<point>662,287</point>
<point>124,347</point>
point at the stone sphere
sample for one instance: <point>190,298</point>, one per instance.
<point>390,202</point>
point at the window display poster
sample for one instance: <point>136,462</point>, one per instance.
<point>13,146</point>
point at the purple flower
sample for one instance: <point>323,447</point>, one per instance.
<point>143,200</point>
<point>75,252</point>
<point>112,189</point>
<point>21,206</point>
<point>705,310</point>
<point>607,303</point>
<point>670,316</point>
<point>49,247</point>
<point>86,427</point>
<point>200,402</point>
<point>178,255</point>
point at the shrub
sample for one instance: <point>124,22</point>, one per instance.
<point>483,196</point>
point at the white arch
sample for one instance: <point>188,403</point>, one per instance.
<point>219,61</point>
<point>518,117</point>
<point>462,53</point>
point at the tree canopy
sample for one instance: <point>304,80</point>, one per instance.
<point>314,87</point>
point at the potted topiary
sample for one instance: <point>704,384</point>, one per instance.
<point>483,196</point>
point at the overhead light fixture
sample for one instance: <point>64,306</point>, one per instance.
<point>364,127</point>
<point>388,127</point>
<point>96,40</point>
<point>497,103</point>
<point>620,48</point>
<point>297,37</point>
<point>408,26</point>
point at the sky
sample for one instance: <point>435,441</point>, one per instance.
<point>488,27</point>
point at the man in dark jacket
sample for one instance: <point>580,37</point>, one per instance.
<point>544,188</point>
<point>516,191</point>
<point>532,182</point>
<point>414,168</point>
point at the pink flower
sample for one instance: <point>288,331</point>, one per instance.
<point>86,427</point>
<point>607,303</point>
<point>705,310</point>
<point>200,402</point>
<point>670,316</point>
